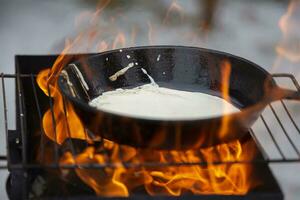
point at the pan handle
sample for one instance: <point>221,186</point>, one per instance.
<point>279,93</point>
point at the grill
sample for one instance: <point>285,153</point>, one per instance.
<point>31,180</point>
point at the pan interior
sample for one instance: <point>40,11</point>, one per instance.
<point>151,101</point>
<point>181,68</point>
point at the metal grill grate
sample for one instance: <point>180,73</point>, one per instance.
<point>23,140</point>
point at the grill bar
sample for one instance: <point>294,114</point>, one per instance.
<point>5,115</point>
<point>42,142</point>
<point>22,120</point>
<point>285,132</point>
<point>68,130</point>
<point>264,154</point>
<point>289,115</point>
<point>56,155</point>
<point>273,138</point>
<point>290,76</point>
<point>146,164</point>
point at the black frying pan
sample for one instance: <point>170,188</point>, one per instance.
<point>184,68</point>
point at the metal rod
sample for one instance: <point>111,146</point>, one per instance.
<point>72,148</point>
<point>37,104</point>
<point>292,77</point>
<point>146,164</point>
<point>22,120</point>
<point>284,131</point>
<point>20,75</point>
<point>22,123</point>
<point>272,137</point>
<point>295,82</point>
<point>264,154</point>
<point>290,116</point>
<point>5,114</point>
<point>56,156</point>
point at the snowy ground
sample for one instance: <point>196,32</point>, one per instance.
<point>246,28</point>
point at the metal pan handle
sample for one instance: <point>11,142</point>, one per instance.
<point>282,93</point>
<point>279,93</point>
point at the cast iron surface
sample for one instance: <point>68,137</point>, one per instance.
<point>183,68</point>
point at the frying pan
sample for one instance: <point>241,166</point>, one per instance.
<point>251,89</point>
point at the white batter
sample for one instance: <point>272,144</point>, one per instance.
<point>151,101</point>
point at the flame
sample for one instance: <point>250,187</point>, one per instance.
<point>133,35</point>
<point>103,46</point>
<point>174,9</point>
<point>115,178</point>
<point>120,41</point>
<point>226,179</point>
<point>167,180</point>
<point>150,33</point>
<point>289,47</point>
<point>58,124</point>
<point>211,179</point>
<point>225,84</point>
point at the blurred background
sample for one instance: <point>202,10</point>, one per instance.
<point>265,32</point>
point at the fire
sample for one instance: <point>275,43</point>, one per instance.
<point>150,33</point>
<point>175,9</point>
<point>289,47</point>
<point>116,178</point>
<point>103,46</point>
<point>156,180</point>
<point>165,180</point>
<point>119,41</point>
<point>225,83</point>
<point>59,123</point>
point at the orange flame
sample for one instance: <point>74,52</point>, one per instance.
<point>120,180</point>
<point>167,180</point>
<point>103,46</point>
<point>225,83</point>
<point>289,47</point>
<point>58,123</point>
<point>133,35</point>
<point>175,9</point>
<point>120,41</point>
<point>150,33</point>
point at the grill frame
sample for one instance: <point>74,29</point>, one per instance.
<point>18,144</point>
